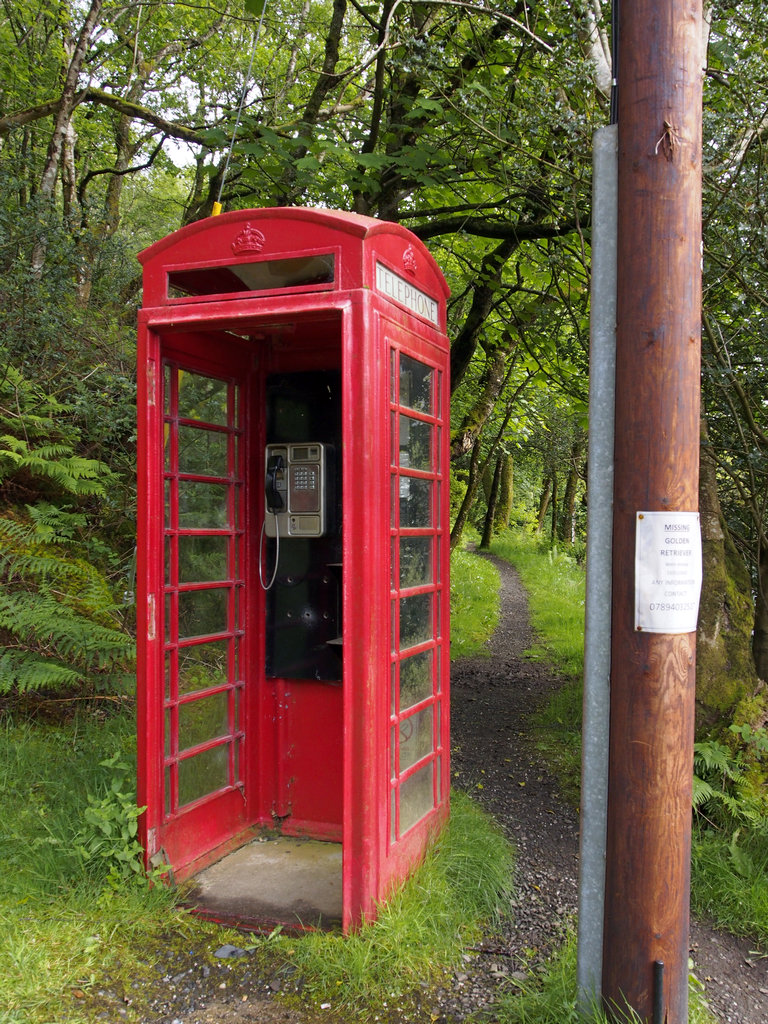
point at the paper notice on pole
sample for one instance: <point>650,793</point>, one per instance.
<point>667,571</point>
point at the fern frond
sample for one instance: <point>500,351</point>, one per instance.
<point>22,672</point>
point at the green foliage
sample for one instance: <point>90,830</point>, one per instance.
<point>108,836</point>
<point>59,624</point>
<point>474,603</point>
<point>729,880</point>
<point>728,789</point>
<point>718,782</point>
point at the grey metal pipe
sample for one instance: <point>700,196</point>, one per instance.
<point>597,637</point>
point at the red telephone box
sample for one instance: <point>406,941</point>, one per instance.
<point>293,594</point>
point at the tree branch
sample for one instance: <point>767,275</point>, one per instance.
<point>107,99</point>
<point>486,228</point>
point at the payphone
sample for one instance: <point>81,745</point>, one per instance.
<point>295,490</point>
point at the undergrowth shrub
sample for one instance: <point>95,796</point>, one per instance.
<point>61,627</point>
<point>108,837</point>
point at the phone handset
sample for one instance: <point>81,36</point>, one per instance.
<point>274,503</point>
<point>272,496</point>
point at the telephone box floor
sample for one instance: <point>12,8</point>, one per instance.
<point>292,882</point>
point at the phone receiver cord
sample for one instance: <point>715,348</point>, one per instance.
<point>268,586</point>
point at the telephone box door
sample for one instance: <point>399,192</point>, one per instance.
<point>198,689</point>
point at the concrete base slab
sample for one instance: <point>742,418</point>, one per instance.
<point>274,880</point>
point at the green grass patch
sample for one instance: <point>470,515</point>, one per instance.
<point>66,918</point>
<point>552,998</point>
<point>69,924</point>
<point>729,881</point>
<point>422,931</point>
<point>474,603</point>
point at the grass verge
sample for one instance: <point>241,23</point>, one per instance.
<point>64,918</point>
<point>69,926</point>
<point>474,603</point>
<point>553,998</point>
<point>729,881</point>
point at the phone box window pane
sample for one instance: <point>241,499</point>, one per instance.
<point>415,620</point>
<point>416,799</point>
<point>168,732</point>
<point>415,444</point>
<point>167,447</point>
<point>415,679</point>
<point>167,376</point>
<point>238,759</point>
<point>202,398</point>
<point>238,499</point>
<point>294,272</point>
<point>203,719</point>
<point>203,666</point>
<point>167,787</point>
<point>168,560</point>
<point>415,561</point>
<point>202,559</point>
<point>203,774</point>
<point>203,612</point>
<point>416,384</point>
<point>415,738</point>
<point>203,452</point>
<point>202,506</point>
<point>415,502</point>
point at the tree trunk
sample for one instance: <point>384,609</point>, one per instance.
<point>725,672</point>
<point>490,515</point>
<point>544,500</point>
<point>571,487</point>
<point>760,634</point>
<point>506,494</point>
<point>469,496</point>
<point>553,521</point>
<point>67,104</point>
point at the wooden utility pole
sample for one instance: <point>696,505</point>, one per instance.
<point>645,947</point>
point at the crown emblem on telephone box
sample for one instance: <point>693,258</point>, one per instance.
<point>250,239</point>
<point>409,260</point>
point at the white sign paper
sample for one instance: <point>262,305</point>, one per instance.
<point>667,571</point>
